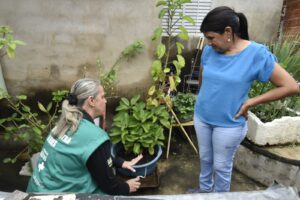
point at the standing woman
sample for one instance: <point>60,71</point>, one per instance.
<point>76,154</point>
<point>230,63</point>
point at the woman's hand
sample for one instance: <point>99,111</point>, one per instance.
<point>129,164</point>
<point>244,109</point>
<point>134,184</point>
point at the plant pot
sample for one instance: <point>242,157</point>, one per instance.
<point>141,169</point>
<point>279,131</point>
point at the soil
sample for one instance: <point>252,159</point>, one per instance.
<point>129,156</point>
<point>9,173</point>
<point>288,151</point>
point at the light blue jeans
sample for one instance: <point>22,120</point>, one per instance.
<point>217,147</point>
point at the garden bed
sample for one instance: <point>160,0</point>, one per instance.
<point>279,131</point>
<point>266,165</point>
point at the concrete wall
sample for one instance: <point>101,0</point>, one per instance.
<point>63,37</point>
<point>263,16</point>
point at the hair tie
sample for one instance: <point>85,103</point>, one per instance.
<point>72,99</point>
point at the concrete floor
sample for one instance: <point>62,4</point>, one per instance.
<point>176,174</point>
<point>180,172</point>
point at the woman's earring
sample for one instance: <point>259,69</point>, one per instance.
<point>228,40</point>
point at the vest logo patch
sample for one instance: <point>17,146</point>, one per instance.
<point>51,141</point>
<point>41,166</point>
<point>44,154</point>
<point>66,139</point>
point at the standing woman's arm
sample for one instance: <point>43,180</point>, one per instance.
<point>285,84</point>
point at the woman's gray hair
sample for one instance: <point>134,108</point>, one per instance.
<point>71,109</point>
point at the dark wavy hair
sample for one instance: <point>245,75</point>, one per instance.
<point>220,17</point>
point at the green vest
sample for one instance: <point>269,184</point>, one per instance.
<point>62,163</point>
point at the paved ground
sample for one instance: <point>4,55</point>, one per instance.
<point>177,174</point>
<point>180,172</point>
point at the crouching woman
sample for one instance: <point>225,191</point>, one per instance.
<point>76,154</point>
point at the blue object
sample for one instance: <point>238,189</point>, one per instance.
<point>141,170</point>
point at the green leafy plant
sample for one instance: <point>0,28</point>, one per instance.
<point>7,42</point>
<point>27,126</point>
<point>8,47</point>
<point>287,51</point>
<point>139,126</point>
<point>183,104</point>
<point>270,111</point>
<point>108,78</point>
<point>168,63</point>
<point>166,79</point>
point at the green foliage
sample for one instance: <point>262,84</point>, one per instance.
<point>183,104</point>
<point>288,54</point>
<point>277,109</point>
<point>108,78</point>
<point>160,68</point>
<point>28,126</point>
<point>8,44</point>
<point>139,126</point>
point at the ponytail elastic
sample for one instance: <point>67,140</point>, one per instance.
<point>72,99</point>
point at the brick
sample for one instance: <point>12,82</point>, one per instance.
<point>293,5</point>
<point>291,13</point>
<point>291,30</point>
<point>292,22</point>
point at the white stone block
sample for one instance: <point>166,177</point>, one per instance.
<point>265,169</point>
<point>279,131</point>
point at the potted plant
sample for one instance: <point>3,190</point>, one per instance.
<point>138,126</point>
<point>168,54</point>
<point>168,63</point>
<point>184,104</point>
<point>140,129</point>
<point>278,122</point>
